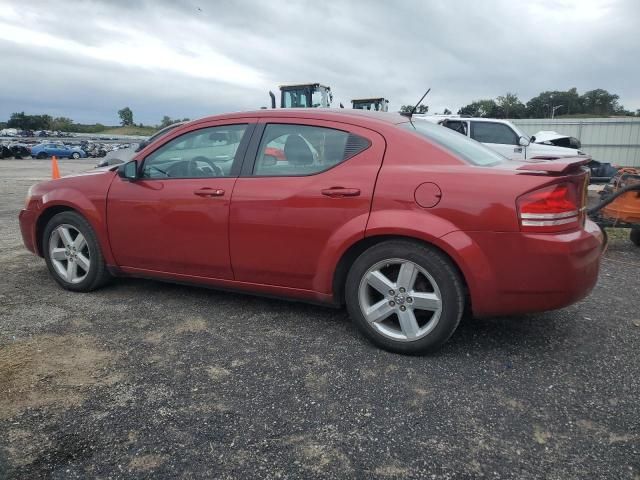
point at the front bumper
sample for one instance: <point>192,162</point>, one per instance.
<point>27,220</point>
<point>515,272</point>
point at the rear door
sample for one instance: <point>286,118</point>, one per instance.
<point>498,137</point>
<point>286,213</point>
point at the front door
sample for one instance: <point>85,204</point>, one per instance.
<point>174,219</point>
<point>290,207</point>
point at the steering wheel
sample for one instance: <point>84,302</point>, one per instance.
<point>196,171</point>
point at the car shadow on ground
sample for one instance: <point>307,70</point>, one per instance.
<point>502,334</point>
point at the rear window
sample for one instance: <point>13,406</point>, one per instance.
<point>469,150</point>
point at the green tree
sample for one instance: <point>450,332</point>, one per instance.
<point>62,124</point>
<point>166,121</point>
<point>511,106</point>
<point>126,116</point>
<point>600,102</point>
<point>422,108</point>
<point>29,122</point>
<point>446,112</point>
<point>482,108</point>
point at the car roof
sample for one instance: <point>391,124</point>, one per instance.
<point>330,114</point>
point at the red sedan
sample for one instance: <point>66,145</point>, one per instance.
<point>407,224</point>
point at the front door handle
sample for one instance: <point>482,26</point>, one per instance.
<point>209,192</point>
<point>338,192</point>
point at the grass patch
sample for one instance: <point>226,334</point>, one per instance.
<point>130,130</point>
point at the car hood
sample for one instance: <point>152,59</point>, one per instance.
<point>544,149</point>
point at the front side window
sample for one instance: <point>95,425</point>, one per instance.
<point>465,148</point>
<point>488,132</point>
<point>294,150</point>
<point>209,152</point>
<point>456,126</point>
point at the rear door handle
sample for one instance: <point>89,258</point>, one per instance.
<point>338,192</point>
<point>209,192</point>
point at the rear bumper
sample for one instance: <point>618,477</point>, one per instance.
<point>27,220</point>
<point>513,272</point>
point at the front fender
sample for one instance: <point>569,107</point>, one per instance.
<point>92,208</point>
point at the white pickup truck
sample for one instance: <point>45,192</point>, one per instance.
<point>500,135</point>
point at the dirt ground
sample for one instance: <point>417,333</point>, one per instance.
<point>144,379</point>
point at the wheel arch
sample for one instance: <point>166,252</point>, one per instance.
<point>43,220</point>
<point>354,251</point>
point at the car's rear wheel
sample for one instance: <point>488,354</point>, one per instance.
<point>73,254</point>
<point>41,155</point>
<point>406,297</point>
<point>635,236</point>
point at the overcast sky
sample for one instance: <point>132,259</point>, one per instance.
<point>86,60</point>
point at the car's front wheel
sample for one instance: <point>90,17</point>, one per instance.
<point>73,254</point>
<point>75,155</point>
<point>404,296</point>
<point>41,155</point>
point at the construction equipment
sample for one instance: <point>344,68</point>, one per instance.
<point>303,95</point>
<point>620,203</point>
<point>378,104</point>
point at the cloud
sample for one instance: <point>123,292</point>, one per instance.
<point>187,58</point>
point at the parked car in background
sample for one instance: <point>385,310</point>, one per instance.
<point>118,156</point>
<point>408,223</point>
<point>502,136</point>
<point>20,150</point>
<point>5,152</point>
<point>507,139</point>
<point>48,149</point>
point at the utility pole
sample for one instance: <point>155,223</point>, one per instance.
<point>553,111</point>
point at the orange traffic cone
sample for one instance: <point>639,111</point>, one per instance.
<point>55,171</point>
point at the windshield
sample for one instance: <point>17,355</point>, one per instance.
<point>465,148</point>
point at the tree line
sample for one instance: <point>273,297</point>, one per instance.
<point>22,121</point>
<point>549,104</point>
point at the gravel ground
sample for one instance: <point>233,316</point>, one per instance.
<point>147,379</point>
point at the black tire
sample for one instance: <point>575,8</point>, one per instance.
<point>433,262</point>
<point>97,274</point>
<point>75,155</point>
<point>41,155</point>
<point>634,236</point>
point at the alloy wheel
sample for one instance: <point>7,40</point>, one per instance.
<point>400,299</point>
<point>69,253</point>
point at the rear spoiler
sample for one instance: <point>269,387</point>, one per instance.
<point>555,164</point>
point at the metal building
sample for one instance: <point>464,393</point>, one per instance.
<point>614,140</point>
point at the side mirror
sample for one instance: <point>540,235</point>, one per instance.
<point>128,171</point>
<point>532,139</point>
<point>523,142</point>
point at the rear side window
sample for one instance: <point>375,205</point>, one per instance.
<point>488,132</point>
<point>468,150</point>
<point>294,150</point>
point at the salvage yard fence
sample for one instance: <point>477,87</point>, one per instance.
<point>614,140</point>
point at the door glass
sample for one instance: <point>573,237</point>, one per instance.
<point>290,150</point>
<point>208,152</point>
<point>488,132</point>
<point>295,98</point>
<point>456,126</point>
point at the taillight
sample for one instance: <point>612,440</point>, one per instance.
<point>550,209</point>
